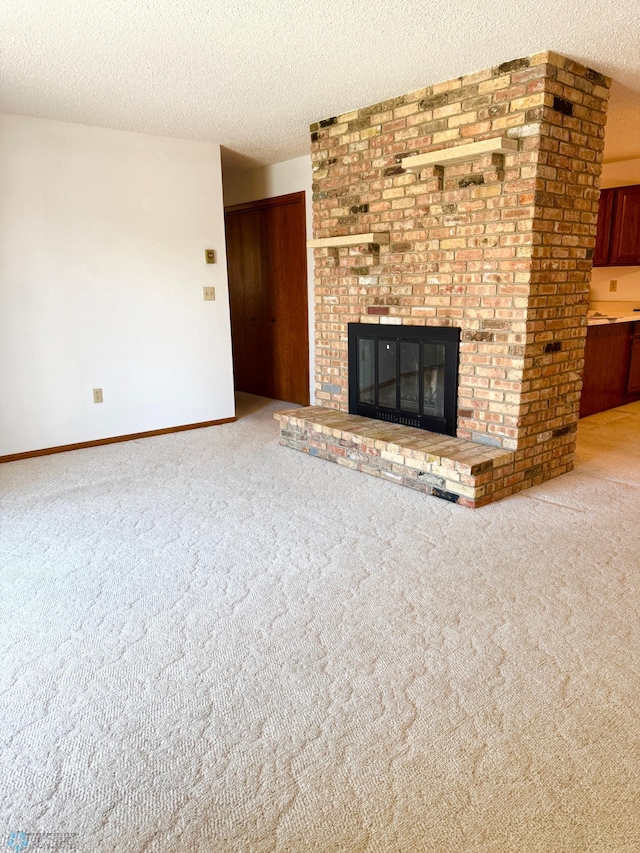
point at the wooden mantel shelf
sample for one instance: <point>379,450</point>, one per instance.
<point>349,240</point>
<point>460,153</point>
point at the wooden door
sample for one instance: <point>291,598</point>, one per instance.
<point>267,266</point>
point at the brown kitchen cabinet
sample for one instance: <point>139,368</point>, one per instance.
<point>611,367</point>
<point>618,234</point>
<point>603,234</point>
<point>633,378</point>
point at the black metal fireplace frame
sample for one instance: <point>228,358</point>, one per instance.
<point>447,336</point>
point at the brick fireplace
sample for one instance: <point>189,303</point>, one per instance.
<point>470,203</point>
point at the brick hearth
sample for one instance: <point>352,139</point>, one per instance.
<point>499,244</point>
<point>451,468</point>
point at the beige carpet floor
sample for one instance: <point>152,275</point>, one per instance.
<point>212,643</point>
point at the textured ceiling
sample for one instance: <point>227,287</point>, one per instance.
<point>253,74</point>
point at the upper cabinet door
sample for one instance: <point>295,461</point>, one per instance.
<point>625,249</point>
<point>603,234</point>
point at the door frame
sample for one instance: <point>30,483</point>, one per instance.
<point>274,201</point>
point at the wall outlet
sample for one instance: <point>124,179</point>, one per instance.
<point>209,294</point>
<point>209,256</point>
<point>97,395</point>
<point>613,285</point>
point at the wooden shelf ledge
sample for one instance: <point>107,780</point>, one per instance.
<point>460,153</point>
<point>349,240</point>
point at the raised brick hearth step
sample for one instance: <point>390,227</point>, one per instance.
<point>451,468</point>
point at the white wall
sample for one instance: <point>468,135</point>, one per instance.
<point>291,176</point>
<point>628,288</point>
<point>620,174</point>
<point>102,239</point>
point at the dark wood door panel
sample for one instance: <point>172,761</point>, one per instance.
<point>603,234</point>
<point>266,249</point>
<point>288,303</point>
<point>233,228</point>
<point>606,364</point>
<point>633,380</point>
<point>257,369</point>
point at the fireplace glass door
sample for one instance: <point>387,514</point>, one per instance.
<point>405,374</point>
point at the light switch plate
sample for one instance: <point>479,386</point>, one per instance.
<point>210,256</point>
<point>209,294</point>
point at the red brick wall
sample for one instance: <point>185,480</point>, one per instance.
<point>500,246</point>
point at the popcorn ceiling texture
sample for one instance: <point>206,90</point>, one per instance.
<point>210,643</point>
<point>253,75</point>
<point>499,246</point>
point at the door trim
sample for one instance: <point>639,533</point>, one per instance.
<point>260,204</point>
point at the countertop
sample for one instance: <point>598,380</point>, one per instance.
<point>601,313</point>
